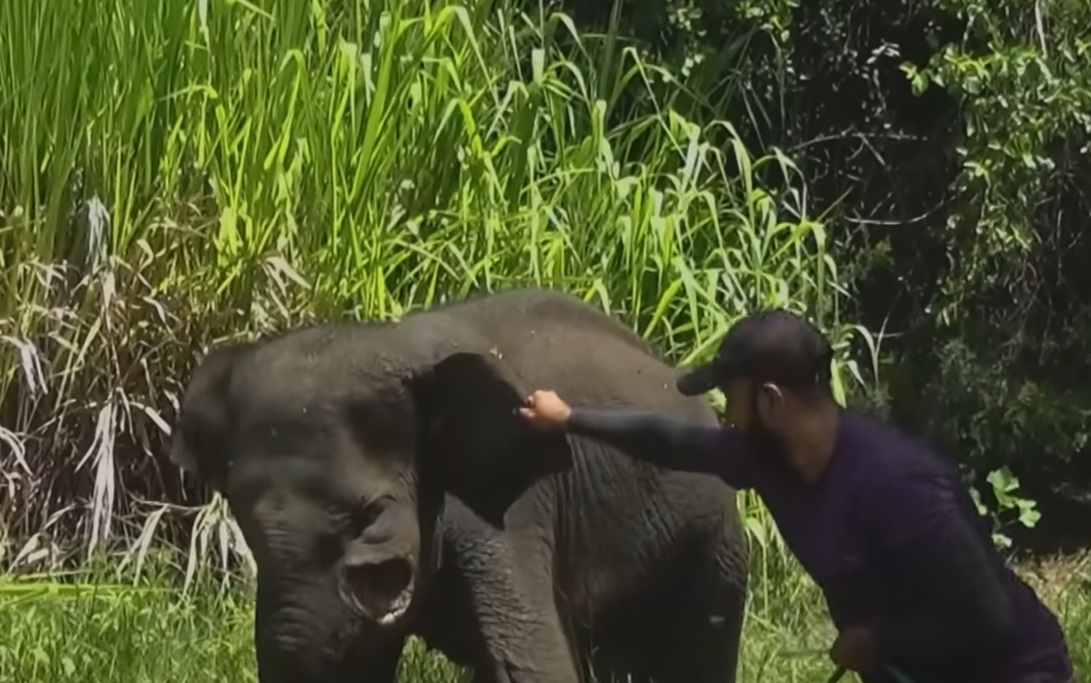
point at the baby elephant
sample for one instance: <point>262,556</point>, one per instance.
<point>387,486</point>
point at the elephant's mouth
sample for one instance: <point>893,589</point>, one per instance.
<point>380,591</point>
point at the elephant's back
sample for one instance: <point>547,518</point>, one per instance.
<point>623,529</point>
<point>626,530</point>
<point>551,339</point>
<point>627,536</point>
<point>539,307</point>
<point>554,341</point>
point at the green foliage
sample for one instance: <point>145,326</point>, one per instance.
<point>1022,80</point>
<point>223,169</point>
<point>947,139</point>
<point>1024,89</point>
<point>1004,486</point>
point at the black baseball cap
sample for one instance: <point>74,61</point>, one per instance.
<point>768,346</point>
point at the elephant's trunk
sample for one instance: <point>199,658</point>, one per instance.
<point>296,631</point>
<point>299,619</point>
<point>309,636</point>
<point>318,605</point>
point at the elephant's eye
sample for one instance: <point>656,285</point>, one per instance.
<point>366,517</point>
<point>363,517</point>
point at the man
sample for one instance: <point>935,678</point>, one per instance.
<point>883,526</point>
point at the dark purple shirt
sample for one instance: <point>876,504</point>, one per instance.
<point>883,500</point>
<point>882,492</point>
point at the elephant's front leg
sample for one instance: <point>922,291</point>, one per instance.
<point>512,596</point>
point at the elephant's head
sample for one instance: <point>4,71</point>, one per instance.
<point>334,448</point>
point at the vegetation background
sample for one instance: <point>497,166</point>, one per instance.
<point>913,174</point>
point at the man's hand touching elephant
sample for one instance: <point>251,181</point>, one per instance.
<point>546,410</point>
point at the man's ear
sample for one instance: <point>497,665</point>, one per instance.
<point>473,439</point>
<point>201,434</point>
<point>772,391</point>
<point>770,396</point>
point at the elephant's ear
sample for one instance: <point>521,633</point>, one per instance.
<point>199,443</point>
<point>474,440</point>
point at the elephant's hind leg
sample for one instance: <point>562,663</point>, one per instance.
<point>702,639</point>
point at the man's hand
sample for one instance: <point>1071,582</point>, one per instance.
<point>546,410</point>
<point>854,649</point>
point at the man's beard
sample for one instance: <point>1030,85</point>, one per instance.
<point>763,442</point>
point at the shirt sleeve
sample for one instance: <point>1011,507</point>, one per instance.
<point>669,443</point>
<point>916,521</point>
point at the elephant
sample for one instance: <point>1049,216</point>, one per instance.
<point>387,487</point>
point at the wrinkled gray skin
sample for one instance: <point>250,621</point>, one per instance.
<point>387,487</point>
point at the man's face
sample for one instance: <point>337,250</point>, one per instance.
<point>757,411</point>
<point>739,404</point>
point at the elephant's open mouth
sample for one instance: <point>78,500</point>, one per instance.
<point>380,591</point>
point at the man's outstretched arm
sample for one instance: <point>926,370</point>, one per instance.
<point>667,442</point>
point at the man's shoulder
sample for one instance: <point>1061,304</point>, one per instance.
<point>904,488</point>
<point>884,449</point>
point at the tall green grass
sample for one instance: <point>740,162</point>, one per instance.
<point>172,174</point>
<point>176,173</point>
